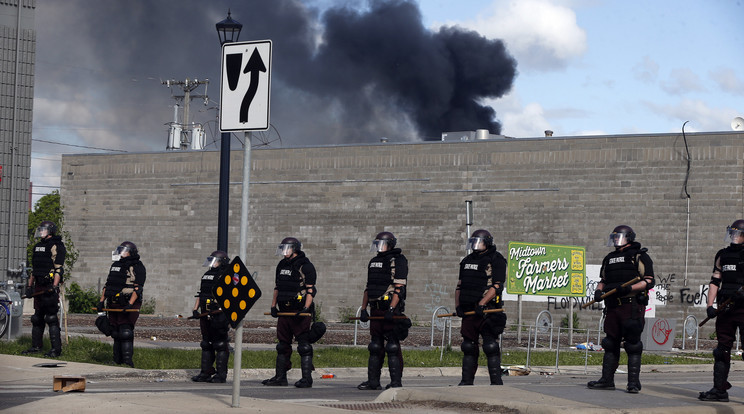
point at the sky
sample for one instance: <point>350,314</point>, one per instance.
<point>354,71</point>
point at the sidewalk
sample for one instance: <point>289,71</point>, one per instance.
<point>533,395</point>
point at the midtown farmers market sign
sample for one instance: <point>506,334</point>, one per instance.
<point>546,269</point>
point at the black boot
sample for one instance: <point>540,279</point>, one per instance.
<point>306,365</point>
<point>720,378</point>
<point>56,340</point>
<point>374,368</point>
<point>634,373</point>
<point>207,370</point>
<point>280,379</point>
<point>469,361</point>
<point>221,359</point>
<point>494,369</point>
<point>609,365</point>
<point>37,335</point>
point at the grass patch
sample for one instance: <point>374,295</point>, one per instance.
<point>86,350</point>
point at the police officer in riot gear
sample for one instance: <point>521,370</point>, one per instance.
<point>624,310</point>
<point>122,294</point>
<point>726,283</point>
<point>387,274</point>
<point>213,322</point>
<point>47,261</point>
<point>294,293</point>
<point>479,288</point>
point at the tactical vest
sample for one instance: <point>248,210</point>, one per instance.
<point>732,271</point>
<point>380,277</point>
<point>208,281</point>
<point>621,268</point>
<point>290,282</point>
<point>119,279</point>
<point>474,282</point>
<point>43,263</point>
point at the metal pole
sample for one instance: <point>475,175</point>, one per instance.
<point>224,194</point>
<point>242,252</point>
<point>468,220</point>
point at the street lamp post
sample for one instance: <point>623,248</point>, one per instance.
<point>228,31</point>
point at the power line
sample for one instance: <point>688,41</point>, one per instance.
<point>77,146</point>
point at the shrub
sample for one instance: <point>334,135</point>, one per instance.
<point>81,301</point>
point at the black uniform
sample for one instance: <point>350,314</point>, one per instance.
<point>293,275</point>
<point>126,276</point>
<point>214,329</point>
<point>480,271</point>
<point>729,262</point>
<point>624,316</point>
<point>48,260</point>
<point>384,271</point>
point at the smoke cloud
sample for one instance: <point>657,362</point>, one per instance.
<point>343,74</point>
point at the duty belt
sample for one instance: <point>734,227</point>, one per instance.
<point>380,304</point>
<point>628,299</point>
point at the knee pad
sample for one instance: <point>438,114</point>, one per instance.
<point>220,346</point>
<point>37,320</point>
<point>491,348</point>
<point>375,347</point>
<point>126,332</point>
<point>51,319</point>
<point>392,347</point>
<point>469,347</point>
<point>610,344</point>
<point>635,348</point>
<point>721,354</point>
<point>205,345</point>
<point>283,348</point>
<point>304,349</point>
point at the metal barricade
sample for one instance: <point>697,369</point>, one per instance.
<point>691,329</point>
<point>357,323</point>
<point>443,324</point>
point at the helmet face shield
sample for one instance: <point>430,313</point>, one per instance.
<point>380,245</point>
<point>734,235</point>
<point>476,244</point>
<point>116,253</point>
<point>41,232</point>
<point>284,249</point>
<point>212,261</point>
<point>617,239</point>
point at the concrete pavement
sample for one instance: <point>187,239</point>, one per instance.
<point>667,389</point>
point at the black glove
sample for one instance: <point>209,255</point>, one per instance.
<point>740,293</point>
<point>389,314</point>
<point>364,315</point>
<point>55,289</point>
<point>196,314</point>
<point>99,308</point>
<point>127,306</point>
<point>29,291</point>
<point>274,312</point>
<point>303,310</point>
<point>479,310</point>
<point>598,295</point>
<point>711,311</point>
<point>459,311</point>
<point>622,291</point>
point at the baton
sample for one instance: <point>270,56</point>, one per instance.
<point>612,292</point>
<point>41,292</point>
<point>201,315</point>
<point>379,318</point>
<point>288,314</point>
<point>116,310</point>
<point>468,313</point>
<point>720,308</point>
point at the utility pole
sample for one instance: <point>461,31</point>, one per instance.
<point>187,87</point>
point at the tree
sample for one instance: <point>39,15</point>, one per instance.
<point>50,208</point>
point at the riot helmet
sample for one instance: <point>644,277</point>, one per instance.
<point>383,242</point>
<point>124,247</point>
<point>288,246</point>
<point>218,258</point>
<point>480,241</point>
<point>46,228</point>
<point>620,236</point>
<point>734,232</point>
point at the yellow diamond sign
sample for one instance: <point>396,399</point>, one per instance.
<point>236,292</point>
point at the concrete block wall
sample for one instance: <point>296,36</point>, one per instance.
<point>569,191</point>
